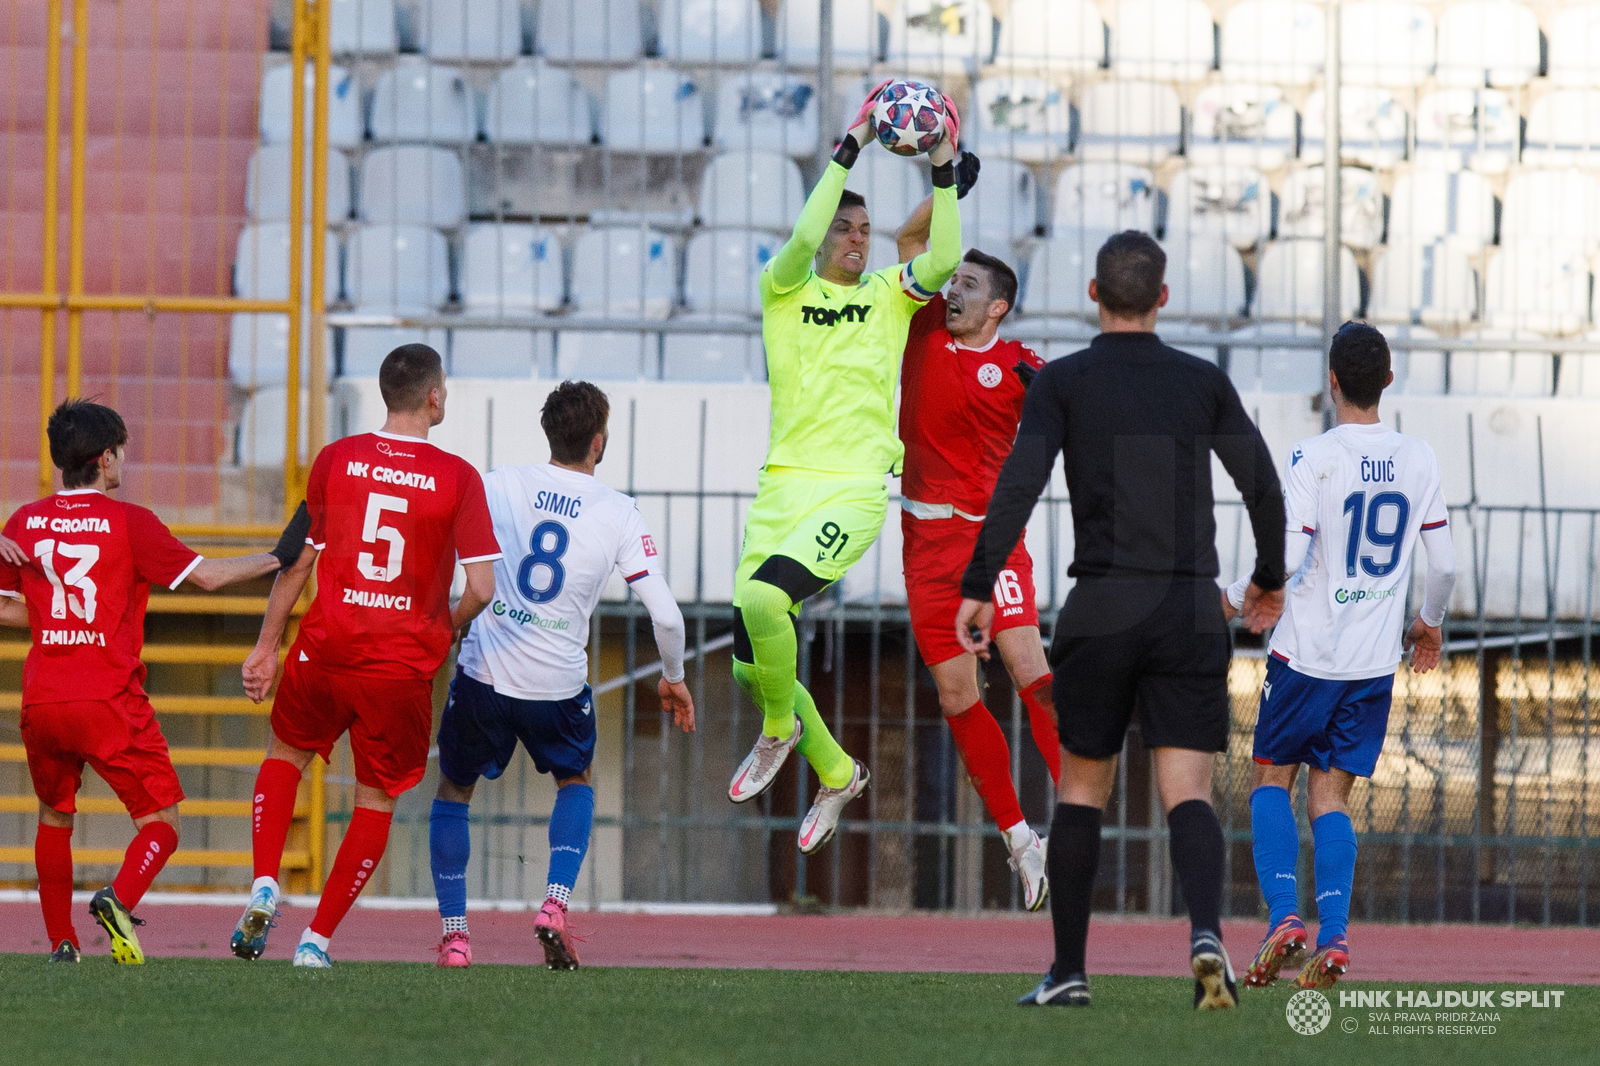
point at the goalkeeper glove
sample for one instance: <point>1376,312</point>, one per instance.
<point>293,540</point>
<point>967,167</point>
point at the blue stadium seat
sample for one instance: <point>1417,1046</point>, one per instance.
<point>1289,281</point>
<point>1278,42</point>
<point>1167,40</point>
<point>510,269</point>
<point>1108,196</point>
<point>648,109</point>
<point>589,30</point>
<point>751,190</point>
<point>413,183</point>
<point>624,272</point>
<point>767,111</point>
<point>709,31</point>
<point>471,29</point>
<point>1051,37</point>
<point>531,102</point>
<point>1136,122</point>
<point>1300,208</point>
<point>1022,118</point>
<point>261,264</point>
<point>426,102</point>
<point>398,270</point>
<point>266,188</point>
<point>722,269</point>
<point>344,106</point>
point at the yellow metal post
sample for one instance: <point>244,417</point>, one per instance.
<point>293,477</point>
<point>52,154</point>
<point>317,368</point>
<point>319,822</point>
<point>80,141</point>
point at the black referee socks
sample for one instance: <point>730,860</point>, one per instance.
<point>1072,861</point>
<point>1196,847</point>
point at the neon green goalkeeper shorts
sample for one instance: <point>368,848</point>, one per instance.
<point>826,523</point>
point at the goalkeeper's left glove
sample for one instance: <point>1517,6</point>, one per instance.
<point>967,167</point>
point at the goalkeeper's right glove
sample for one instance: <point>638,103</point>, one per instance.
<point>293,539</point>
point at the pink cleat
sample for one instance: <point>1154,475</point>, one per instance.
<point>454,951</point>
<point>551,927</point>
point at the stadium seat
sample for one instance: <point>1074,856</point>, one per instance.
<point>1167,40</point>
<point>1487,42</point>
<point>893,187</point>
<point>1538,284</point>
<point>1130,122</point>
<point>1457,206</point>
<point>607,355</point>
<point>1280,42</point>
<point>344,106</point>
<point>1205,279</point>
<point>1578,377</point>
<point>398,270</point>
<point>1564,130</point>
<point>531,102</point>
<point>1027,119</point>
<point>1059,273</point>
<point>1430,282</point>
<point>366,346</point>
<point>471,29</point>
<point>1001,208</point>
<point>1417,371</point>
<point>422,102</point>
<point>1382,42</point>
<point>768,112</point>
<point>589,31</point>
<point>1501,373</point>
<point>709,31</point>
<point>751,190</point>
<point>1551,205</point>
<point>1051,37</point>
<point>1276,357</point>
<point>1228,203</point>
<point>1371,121</point>
<point>940,37</point>
<point>510,269</point>
<point>1063,336</point>
<point>1242,125</point>
<point>266,186</point>
<point>857,35</point>
<point>1109,196</point>
<point>722,270</point>
<point>1300,210</point>
<point>258,349</point>
<point>1289,281</point>
<point>710,356</point>
<point>1476,128</point>
<point>624,272</point>
<point>413,183</point>
<point>1574,43</point>
<point>364,27</point>
<point>261,266</point>
<point>501,353</point>
<point>649,109</point>
<point>263,426</point>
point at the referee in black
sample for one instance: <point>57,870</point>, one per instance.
<point>1142,631</point>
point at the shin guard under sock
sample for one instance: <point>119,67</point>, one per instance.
<point>988,760</point>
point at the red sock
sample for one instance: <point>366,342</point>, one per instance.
<point>358,856</point>
<point>52,857</point>
<point>273,810</point>
<point>1041,704</point>
<point>146,856</point>
<point>988,759</point>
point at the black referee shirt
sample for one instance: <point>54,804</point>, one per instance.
<point>1136,422</point>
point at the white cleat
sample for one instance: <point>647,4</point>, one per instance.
<point>309,956</point>
<point>1028,861</point>
<point>760,768</point>
<point>823,817</point>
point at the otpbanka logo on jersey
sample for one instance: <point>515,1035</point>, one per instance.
<point>1363,595</point>
<point>528,618</point>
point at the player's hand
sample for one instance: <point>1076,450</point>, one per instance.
<point>1229,611</point>
<point>260,671</point>
<point>1426,643</point>
<point>1261,608</point>
<point>974,620</point>
<point>1025,373</point>
<point>12,552</point>
<point>967,166</point>
<point>861,127</point>
<point>952,124</point>
<point>676,699</point>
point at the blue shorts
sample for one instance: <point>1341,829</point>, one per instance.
<point>479,730</point>
<point>1321,723</point>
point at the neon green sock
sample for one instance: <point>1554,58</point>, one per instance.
<point>765,609</point>
<point>834,768</point>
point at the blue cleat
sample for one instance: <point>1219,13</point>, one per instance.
<point>260,915</point>
<point>312,957</point>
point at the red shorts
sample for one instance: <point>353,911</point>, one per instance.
<point>936,553</point>
<point>389,719</point>
<point>119,738</point>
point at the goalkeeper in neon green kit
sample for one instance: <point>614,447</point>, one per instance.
<point>834,337</point>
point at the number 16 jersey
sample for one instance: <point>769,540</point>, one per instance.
<point>391,515</point>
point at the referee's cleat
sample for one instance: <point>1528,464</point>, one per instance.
<point>1028,861</point>
<point>1071,992</point>
<point>823,817</point>
<point>66,951</point>
<point>1283,946</point>
<point>1214,988</point>
<point>550,924</point>
<point>309,956</point>
<point>260,914</point>
<point>1325,968</point>
<point>118,923</point>
<point>760,768</point>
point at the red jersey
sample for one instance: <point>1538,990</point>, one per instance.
<point>92,562</point>
<point>959,409</point>
<point>390,516</point>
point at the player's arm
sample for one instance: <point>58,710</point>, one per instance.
<point>477,595</point>
<point>1244,454</point>
<point>11,552</point>
<point>213,574</point>
<point>261,666</point>
<point>667,621</point>
<point>1426,637</point>
<point>912,238</point>
<point>13,611</point>
<point>927,273</point>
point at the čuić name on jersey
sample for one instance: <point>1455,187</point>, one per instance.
<point>363,598</point>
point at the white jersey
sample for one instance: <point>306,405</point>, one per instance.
<point>561,534</point>
<point>1364,493</point>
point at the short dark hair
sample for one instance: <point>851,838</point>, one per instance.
<point>571,417</point>
<point>408,374</point>
<point>1002,279</point>
<point>1359,359</point>
<point>80,432</point>
<point>1128,273</point>
<point>850,198</point>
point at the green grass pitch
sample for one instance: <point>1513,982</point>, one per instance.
<point>173,1012</point>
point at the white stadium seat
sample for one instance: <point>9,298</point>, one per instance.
<point>1429,205</point>
<point>606,355</point>
<point>1281,42</point>
<point>1059,273</point>
<point>422,102</point>
<point>722,271</point>
<point>1501,373</point>
<point>1432,283</point>
<point>1051,37</point>
<point>258,350</point>
<point>1300,209</point>
<point>413,183</point>
<point>362,26</point>
<point>266,185</point>
<point>471,29</point>
<point>1551,205</point>
<point>648,109</point>
<point>1289,281</point>
<point>1261,358</point>
<point>1109,196</point>
<point>624,272</point>
<point>709,356</point>
<point>1372,122</point>
<point>1003,206</point>
<point>365,347</point>
<point>263,426</point>
<point>1169,40</point>
<point>1022,118</point>
<point>1246,125</point>
<point>857,42</point>
<point>1564,130</point>
<point>1579,376</point>
<point>1574,44</point>
<point>1417,371</point>
<point>939,36</point>
<point>1233,204</point>
<point>501,353</point>
<point>1205,279</point>
<point>589,30</point>
<point>710,31</point>
<point>344,106</point>
<point>1129,121</point>
<point>1476,128</point>
<point>261,263</point>
<point>751,190</point>
<point>1538,285</point>
<point>531,102</point>
<point>1064,336</point>
<point>1487,42</point>
<point>767,111</point>
<point>1383,42</point>
<point>398,270</point>
<point>510,268</point>
<point>893,186</point>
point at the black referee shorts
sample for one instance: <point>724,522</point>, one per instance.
<point>1158,648</point>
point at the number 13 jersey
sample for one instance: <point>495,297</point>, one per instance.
<point>1365,494</point>
<point>391,515</point>
<point>562,534</point>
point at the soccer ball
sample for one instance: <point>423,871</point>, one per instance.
<point>908,117</point>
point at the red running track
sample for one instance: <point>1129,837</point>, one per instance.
<point>926,943</point>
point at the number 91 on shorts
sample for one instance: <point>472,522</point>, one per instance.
<point>826,525</point>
